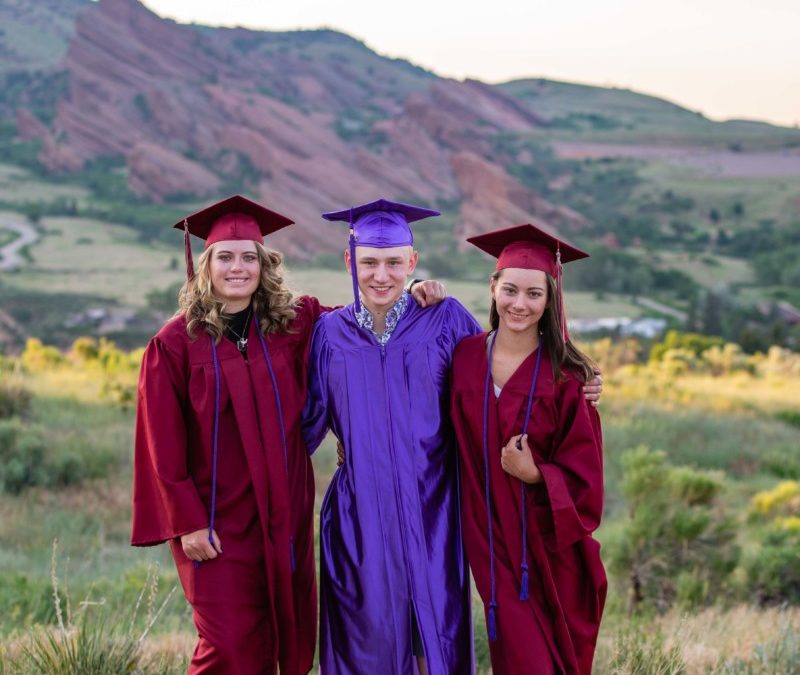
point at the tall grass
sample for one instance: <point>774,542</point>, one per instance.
<point>88,640</point>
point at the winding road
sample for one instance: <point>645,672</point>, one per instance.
<point>10,254</point>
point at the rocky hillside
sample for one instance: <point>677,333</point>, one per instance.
<point>312,120</point>
<point>305,121</point>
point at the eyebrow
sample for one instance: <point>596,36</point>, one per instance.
<point>224,250</point>
<point>373,259</point>
<point>530,288</point>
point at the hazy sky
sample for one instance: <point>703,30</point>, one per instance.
<point>726,58</point>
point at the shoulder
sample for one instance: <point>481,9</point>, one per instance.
<point>308,310</point>
<point>452,308</point>
<point>173,335</point>
<point>570,385</point>
<point>470,346</point>
<point>337,316</point>
<point>308,306</point>
<point>450,315</point>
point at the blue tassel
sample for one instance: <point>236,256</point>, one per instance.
<point>492,622</point>
<point>523,587</point>
<point>291,554</point>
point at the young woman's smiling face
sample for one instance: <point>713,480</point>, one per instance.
<point>235,273</point>
<point>520,296</point>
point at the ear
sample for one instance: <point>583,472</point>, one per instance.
<point>347,260</point>
<point>412,263</point>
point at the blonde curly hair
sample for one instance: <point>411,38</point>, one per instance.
<point>274,304</point>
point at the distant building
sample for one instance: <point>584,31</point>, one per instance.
<point>645,327</point>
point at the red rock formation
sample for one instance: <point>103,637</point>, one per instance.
<point>491,199</point>
<point>157,172</point>
<point>187,107</point>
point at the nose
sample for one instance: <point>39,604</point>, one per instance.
<point>381,273</point>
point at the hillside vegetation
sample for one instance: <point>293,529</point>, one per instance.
<point>702,446</point>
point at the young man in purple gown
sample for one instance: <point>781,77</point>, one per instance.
<point>394,584</point>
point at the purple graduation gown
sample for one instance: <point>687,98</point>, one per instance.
<point>390,535</point>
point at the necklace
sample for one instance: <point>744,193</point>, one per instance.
<point>241,342</point>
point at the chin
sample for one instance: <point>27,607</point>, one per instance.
<point>519,326</point>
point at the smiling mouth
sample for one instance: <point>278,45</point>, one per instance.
<point>237,281</point>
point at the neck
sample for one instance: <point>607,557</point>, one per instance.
<point>234,306</point>
<point>516,342</point>
<point>379,314</point>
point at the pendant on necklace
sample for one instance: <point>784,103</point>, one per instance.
<point>241,344</point>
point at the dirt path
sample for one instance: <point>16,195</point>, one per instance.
<point>10,254</point>
<point>661,308</point>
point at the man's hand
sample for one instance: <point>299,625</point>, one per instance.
<point>517,460</point>
<point>197,547</point>
<point>428,292</point>
<point>593,389</point>
<point>339,453</point>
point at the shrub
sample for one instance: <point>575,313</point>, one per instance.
<point>37,357</point>
<point>692,342</point>
<point>22,452</point>
<point>15,400</point>
<point>678,541</point>
<point>772,569</point>
<point>25,461</point>
<point>781,655</point>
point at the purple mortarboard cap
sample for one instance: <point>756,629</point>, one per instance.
<point>379,224</point>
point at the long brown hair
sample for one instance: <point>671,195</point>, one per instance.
<point>563,355</point>
<point>273,302</point>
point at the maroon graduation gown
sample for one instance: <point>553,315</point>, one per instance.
<point>555,629</point>
<point>250,609</point>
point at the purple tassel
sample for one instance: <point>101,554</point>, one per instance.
<point>491,626</point>
<point>523,587</point>
<point>291,553</point>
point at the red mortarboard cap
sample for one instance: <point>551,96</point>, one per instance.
<point>526,247</point>
<point>234,218</point>
<point>379,224</point>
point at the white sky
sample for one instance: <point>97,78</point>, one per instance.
<point>726,58</point>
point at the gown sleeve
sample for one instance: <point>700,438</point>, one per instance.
<point>460,324</point>
<point>315,420</point>
<point>573,474</point>
<point>166,503</point>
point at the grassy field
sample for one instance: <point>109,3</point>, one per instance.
<point>762,198</point>
<point>85,256</point>
<point>17,185</point>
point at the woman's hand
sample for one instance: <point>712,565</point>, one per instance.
<point>197,547</point>
<point>594,388</point>
<point>339,453</point>
<point>517,460</point>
